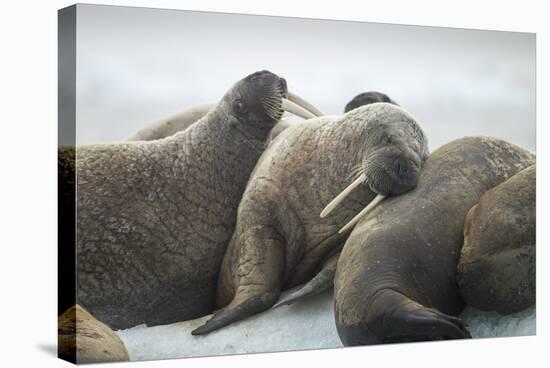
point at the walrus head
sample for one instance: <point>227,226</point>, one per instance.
<point>260,99</point>
<point>367,98</point>
<point>396,150</point>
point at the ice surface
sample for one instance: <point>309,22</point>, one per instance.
<point>308,324</point>
<point>492,324</point>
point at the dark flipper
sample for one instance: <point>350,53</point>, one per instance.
<point>321,282</point>
<point>231,314</point>
<point>393,317</point>
<point>427,323</point>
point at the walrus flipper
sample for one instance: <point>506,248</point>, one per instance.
<point>319,283</point>
<point>396,318</point>
<point>259,275</point>
<point>230,314</point>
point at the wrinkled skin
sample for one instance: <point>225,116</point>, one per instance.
<point>83,339</point>
<point>154,218</point>
<point>396,276</point>
<point>280,241</point>
<point>367,98</point>
<point>497,265</point>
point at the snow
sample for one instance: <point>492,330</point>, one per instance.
<point>492,324</point>
<point>308,324</point>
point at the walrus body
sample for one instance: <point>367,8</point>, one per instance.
<point>396,276</point>
<point>83,339</point>
<point>279,240</point>
<point>497,265</point>
<point>154,218</point>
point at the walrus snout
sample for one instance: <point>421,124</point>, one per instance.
<point>267,83</point>
<point>406,172</point>
<point>388,175</point>
<point>392,175</point>
<point>271,97</point>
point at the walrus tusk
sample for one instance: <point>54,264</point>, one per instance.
<point>361,214</point>
<point>343,194</point>
<point>300,101</point>
<point>296,109</point>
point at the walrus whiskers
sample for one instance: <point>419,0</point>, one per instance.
<point>292,103</point>
<point>361,214</point>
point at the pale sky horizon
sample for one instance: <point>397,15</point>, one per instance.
<point>135,65</point>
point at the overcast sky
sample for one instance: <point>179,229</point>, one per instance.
<point>135,65</point>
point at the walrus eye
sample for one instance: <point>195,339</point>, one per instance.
<point>240,107</point>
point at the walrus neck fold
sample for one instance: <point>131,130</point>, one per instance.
<point>253,134</point>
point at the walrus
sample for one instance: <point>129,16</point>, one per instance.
<point>279,240</point>
<point>182,120</point>
<point>497,265</point>
<point>396,276</point>
<point>324,279</point>
<point>84,339</point>
<point>366,98</point>
<point>154,217</point>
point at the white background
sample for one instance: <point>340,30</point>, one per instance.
<point>28,82</point>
